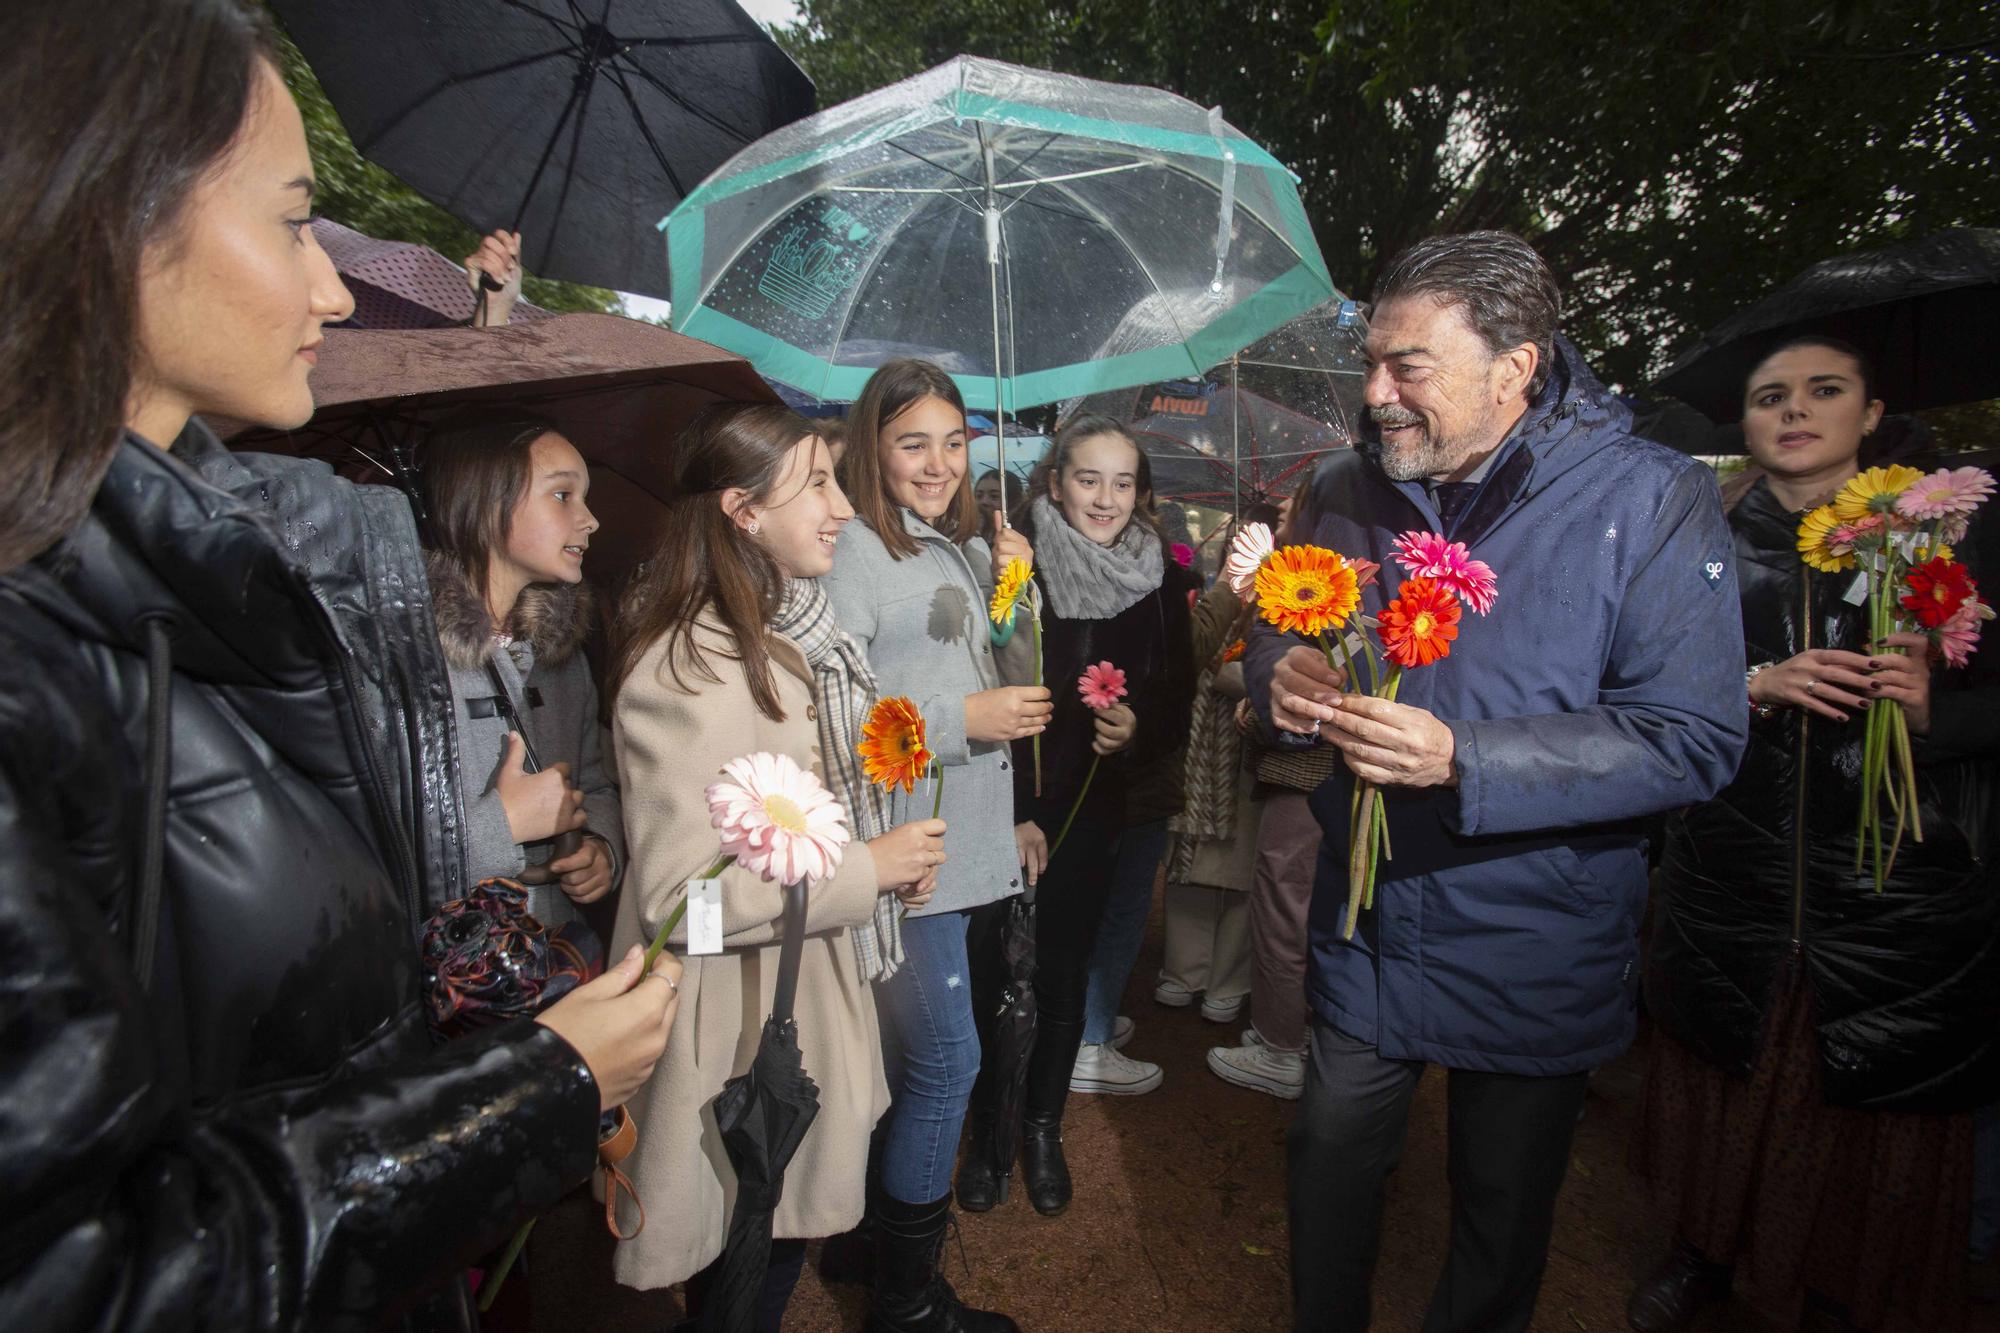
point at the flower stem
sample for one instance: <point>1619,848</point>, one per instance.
<point>722,863</point>
<point>937,801</point>
<point>1035,633</point>
<point>489,1290</point>
<point>1360,860</point>
<point>1075,806</point>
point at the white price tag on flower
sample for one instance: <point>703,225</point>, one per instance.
<point>704,916</point>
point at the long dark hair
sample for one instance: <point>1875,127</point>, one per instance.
<point>704,560</point>
<point>115,111</point>
<point>890,392</point>
<point>476,467</point>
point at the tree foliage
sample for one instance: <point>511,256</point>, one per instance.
<point>1673,161</point>
<point>356,193</point>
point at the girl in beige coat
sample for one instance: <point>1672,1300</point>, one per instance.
<point>702,677</point>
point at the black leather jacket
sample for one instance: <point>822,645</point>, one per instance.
<point>1905,983</point>
<point>266,1137</point>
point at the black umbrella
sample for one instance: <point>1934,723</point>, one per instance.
<point>1003,999</point>
<point>764,1114</point>
<point>1926,312</point>
<point>578,123</point>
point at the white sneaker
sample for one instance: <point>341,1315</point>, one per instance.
<point>1103,1069</point>
<point>1252,1037</point>
<point>1121,1033</point>
<point>1222,1011</point>
<point>1260,1069</point>
<point>1172,994</point>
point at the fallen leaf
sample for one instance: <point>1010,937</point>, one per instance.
<point>1261,1251</point>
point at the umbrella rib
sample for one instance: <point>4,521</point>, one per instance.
<point>699,113</point>
<point>544,16</point>
<point>454,81</point>
<point>575,91</point>
<point>645,130</point>
<point>568,177</point>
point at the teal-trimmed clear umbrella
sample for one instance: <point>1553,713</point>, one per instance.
<point>1000,220</point>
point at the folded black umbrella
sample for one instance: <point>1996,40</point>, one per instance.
<point>1004,1010</point>
<point>1927,313</point>
<point>764,1114</point>
<point>578,123</point>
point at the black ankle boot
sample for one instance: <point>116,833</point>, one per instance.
<point>982,1181</point>
<point>1043,1169</point>
<point>1671,1298</point>
<point>911,1295</point>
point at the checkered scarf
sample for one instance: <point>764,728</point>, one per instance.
<point>844,690</point>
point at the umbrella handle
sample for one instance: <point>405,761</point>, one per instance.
<point>790,949</point>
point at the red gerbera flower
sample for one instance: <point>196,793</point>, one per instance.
<point>1418,627</point>
<point>1937,589</point>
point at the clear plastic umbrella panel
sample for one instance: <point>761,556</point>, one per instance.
<point>1003,221</point>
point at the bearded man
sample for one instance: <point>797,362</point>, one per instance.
<point>1603,686</point>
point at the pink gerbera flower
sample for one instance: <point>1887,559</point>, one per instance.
<point>1101,686</point>
<point>1247,552</point>
<point>776,819</point>
<point>1427,555</point>
<point>1958,637</point>
<point>1861,532</point>
<point>1945,492</point>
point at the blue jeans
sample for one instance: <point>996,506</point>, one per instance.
<point>1123,928</point>
<point>931,1053</point>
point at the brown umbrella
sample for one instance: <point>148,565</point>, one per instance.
<point>402,285</point>
<point>620,389</point>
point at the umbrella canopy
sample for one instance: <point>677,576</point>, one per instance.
<point>574,122</point>
<point>1927,313</point>
<point>619,389</point>
<point>1005,221</point>
<point>763,1115</point>
<point>402,285</point>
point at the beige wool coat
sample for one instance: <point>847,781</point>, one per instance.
<point>670,743</point>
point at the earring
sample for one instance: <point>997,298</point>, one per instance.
<point>751,528</point>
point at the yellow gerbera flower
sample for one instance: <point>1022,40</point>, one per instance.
<point>1306,589</point>
<point>1814,548</point>
<point>1874,491</point>
<point>1013,582</point>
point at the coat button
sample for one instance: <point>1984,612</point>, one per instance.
<point>812,712</point>
<point>1003,765</point>
<point>1013,883</point>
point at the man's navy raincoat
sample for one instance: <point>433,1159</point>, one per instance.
<point>1605,686</point>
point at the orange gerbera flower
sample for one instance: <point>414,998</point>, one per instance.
<point>1418,627</point>
<point>893,749</point>
<point>1234,652</point>
<point>1306,589</point>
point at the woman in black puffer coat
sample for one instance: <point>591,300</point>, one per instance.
<point>225,767</point>
<point>1819,1044</point>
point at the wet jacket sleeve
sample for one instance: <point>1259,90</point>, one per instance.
<point>1670,722</point>
<point>129,1208</point>
<point>1166,705</point>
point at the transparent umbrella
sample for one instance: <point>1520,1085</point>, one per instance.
<point>1003,220</point>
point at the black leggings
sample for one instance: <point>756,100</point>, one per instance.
<point>1069,905</point>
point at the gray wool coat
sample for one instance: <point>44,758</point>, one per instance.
<point>922,623</point>
<point>546,669</point>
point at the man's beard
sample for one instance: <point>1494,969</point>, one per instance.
<point>1426,457</point>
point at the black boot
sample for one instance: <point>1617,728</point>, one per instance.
<point>1043,1169</point>
<point>983,1182</point>
<point>1672,1297</point>
<point>911,1295</point>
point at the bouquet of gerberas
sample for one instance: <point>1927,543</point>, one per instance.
<point>1897,526</point>
<point>1316,592</point>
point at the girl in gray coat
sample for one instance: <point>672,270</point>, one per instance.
<point>507,527</point>
<point>911,582</point>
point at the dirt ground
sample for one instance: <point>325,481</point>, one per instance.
<point>1179,1220</point>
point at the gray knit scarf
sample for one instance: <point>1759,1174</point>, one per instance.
<point>844,689</point>
<point>1091,582</point>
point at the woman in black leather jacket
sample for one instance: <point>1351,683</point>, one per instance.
<point>225,774</point>
<point>1819,1045</point>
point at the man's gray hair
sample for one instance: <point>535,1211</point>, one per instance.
<point>1509,294</point>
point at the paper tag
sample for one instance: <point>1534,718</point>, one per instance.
<point>704,916</point>
<point>1857,591</point>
